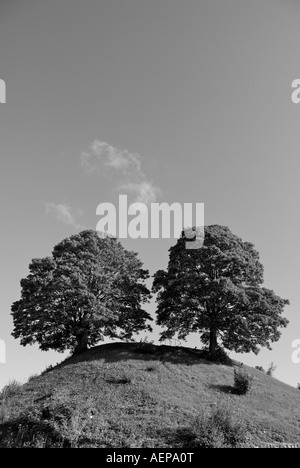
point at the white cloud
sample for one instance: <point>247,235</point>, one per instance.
<point>64,213</point>
<point>102,155</point>
<point>143,192</point>
<point>123,167</point>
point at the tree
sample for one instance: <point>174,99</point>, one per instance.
<point>89,288</point>
<point>217,291</point>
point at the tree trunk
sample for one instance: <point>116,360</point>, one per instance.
<point>213,343</point>
<point>82,342</point>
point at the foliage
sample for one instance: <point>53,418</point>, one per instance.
<point>260,368</point>
<point>242,382</point>
<point>89,288</point>
<point>216,291</point>
<point>12,388</point>
<point>218,429</point>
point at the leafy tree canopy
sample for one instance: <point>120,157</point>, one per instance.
<point>91,287</point>
<point>217,291</point>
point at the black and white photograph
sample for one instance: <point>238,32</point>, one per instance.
<point>150,281</point>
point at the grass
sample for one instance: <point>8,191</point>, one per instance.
<point>118,395</point>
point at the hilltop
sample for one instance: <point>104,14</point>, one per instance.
<point>133,395</point>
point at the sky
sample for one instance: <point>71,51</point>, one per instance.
<point>165,101</point>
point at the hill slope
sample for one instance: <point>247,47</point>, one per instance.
<point>125,395</point>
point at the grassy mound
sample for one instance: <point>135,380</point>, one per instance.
<point>130,395</point>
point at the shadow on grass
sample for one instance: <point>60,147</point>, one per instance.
<point>224,389</point>
<point>25,432</point>
<point>116,381</point>
<point>114,352</point>
<point>177,438</point>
